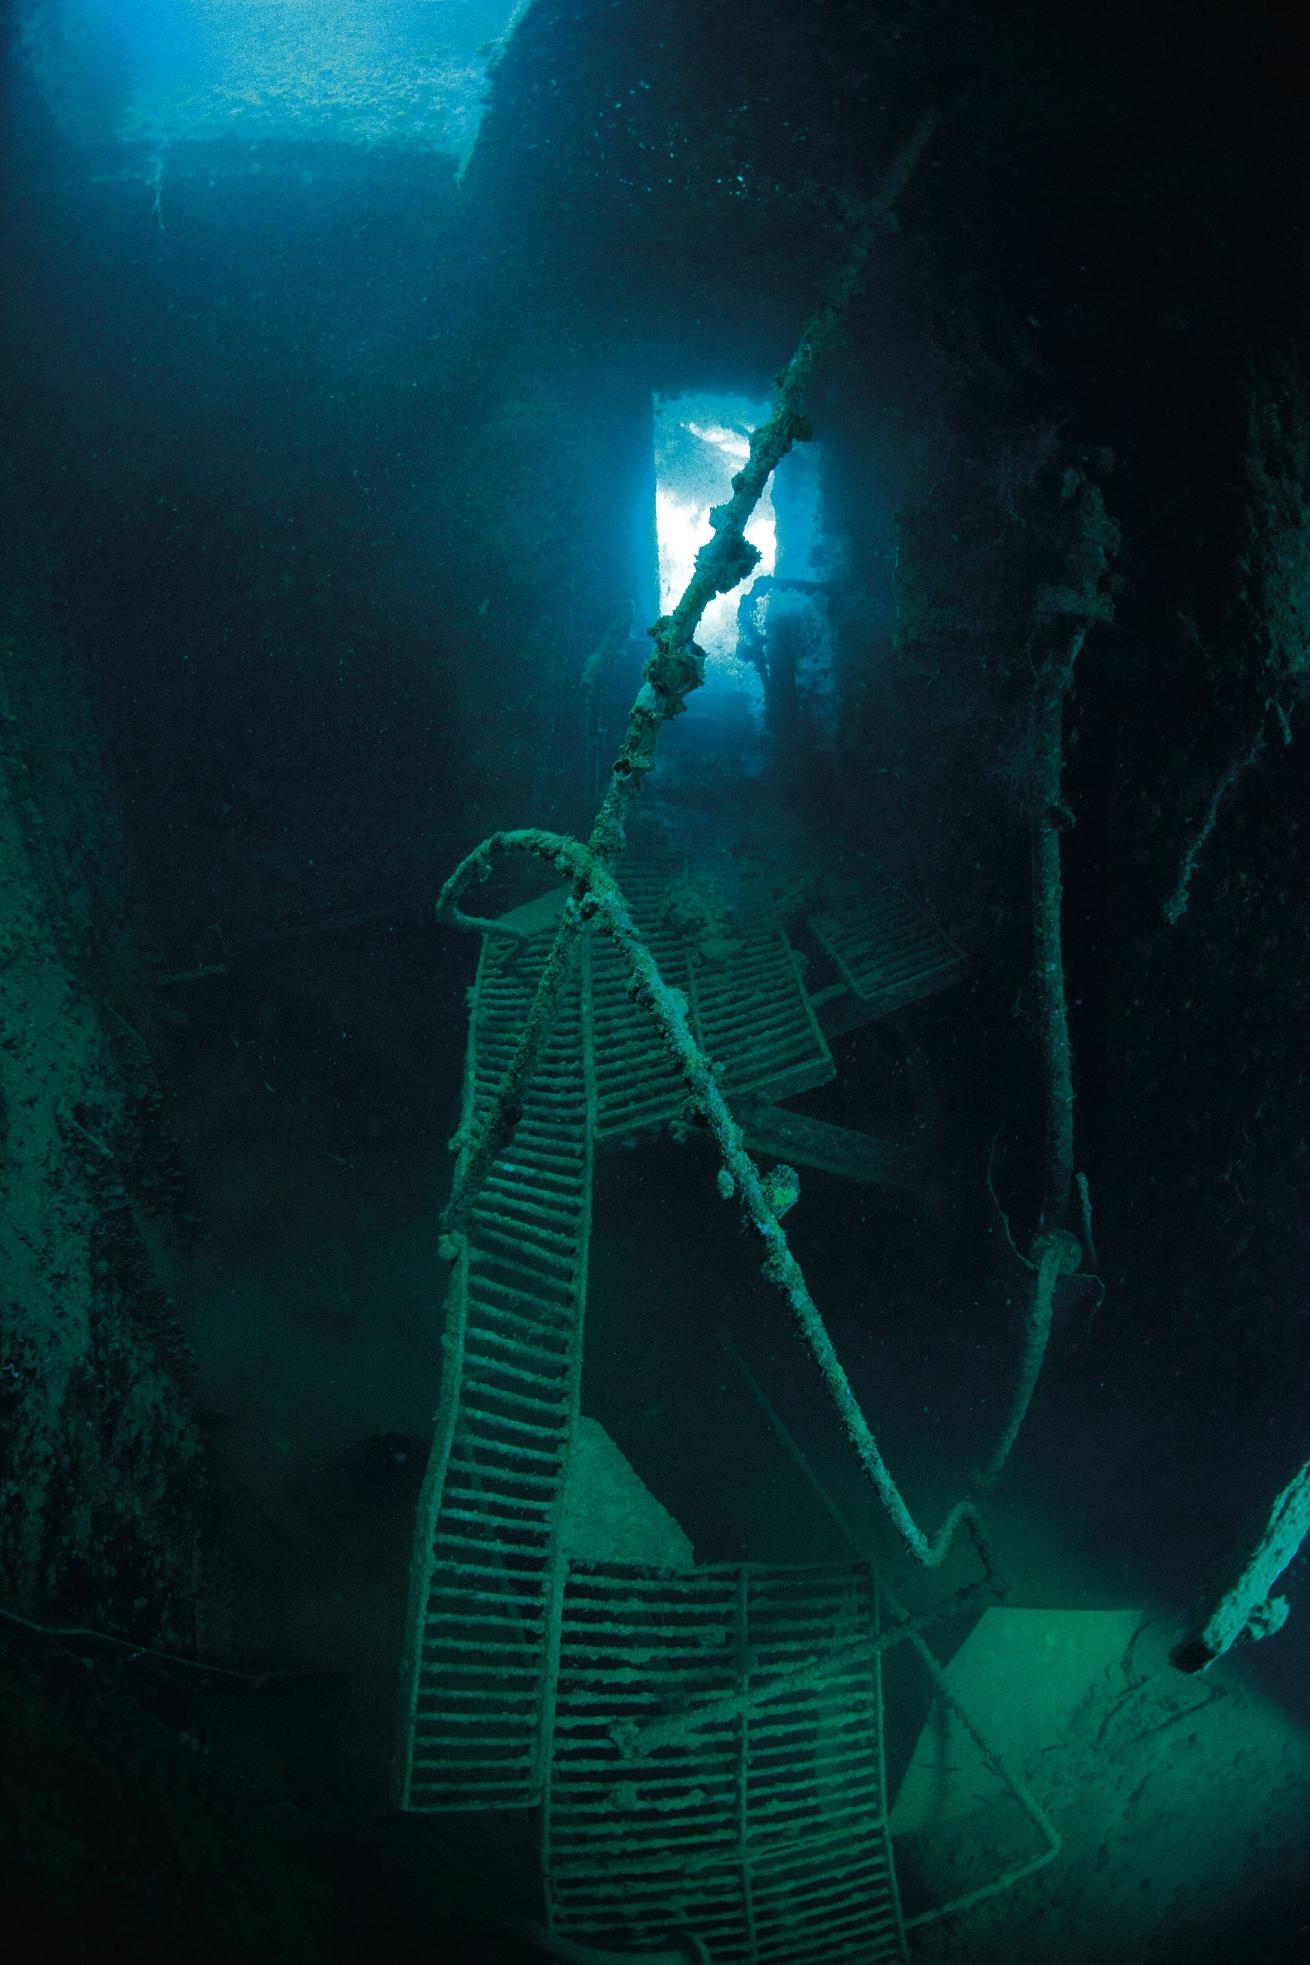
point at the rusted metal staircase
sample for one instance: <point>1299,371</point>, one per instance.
<point>487,1563</point>
<point>487,1571</point>
<point>759,1826</point>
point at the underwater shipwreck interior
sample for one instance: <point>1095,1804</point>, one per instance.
<point>653,981</point>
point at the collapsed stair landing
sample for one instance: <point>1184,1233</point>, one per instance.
<point>759,1824</point>
<point>706,1740</point>
<point>488,1569</point>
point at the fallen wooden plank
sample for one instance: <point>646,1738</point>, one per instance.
<point>806,1142</point>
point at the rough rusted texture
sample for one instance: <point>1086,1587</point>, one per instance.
<point>99,1468</point>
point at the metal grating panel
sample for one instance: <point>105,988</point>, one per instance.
<point>886,950</point>
<point>754,1018</point>
<point>488,1563</point>
<point>637,1083</point>
<point>759,1825</point>
<point>752,1015</point>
